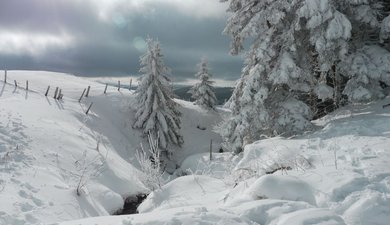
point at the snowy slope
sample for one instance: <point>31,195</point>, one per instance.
<point>46,143</point>
<point>337,175</point>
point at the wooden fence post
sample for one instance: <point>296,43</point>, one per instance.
<point>119,85</point>
<point>81,97</point>
<point>47,90</point>
<point>59,94</point>
<point>86,113</point>
<point>5,76</point>
<point>131,81</point>
<point>27,85</point>
<point>211,149</point>
<point>86,95</point>
<point>55,93</point>
<point>105,89</point>
<point>16,83</point>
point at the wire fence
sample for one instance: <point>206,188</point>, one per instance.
<point>58,92</point>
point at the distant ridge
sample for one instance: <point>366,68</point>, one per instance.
<point>222,93</point>
<point>181,91</point>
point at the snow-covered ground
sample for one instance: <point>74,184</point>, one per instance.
<point>339,174</point>
<point>48,146</point>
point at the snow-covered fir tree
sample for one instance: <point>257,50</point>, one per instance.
<point>367,66</point>
<point>279,64</point>
<point>157,113</point>
<point>295,49</point>
<point>203,92</point>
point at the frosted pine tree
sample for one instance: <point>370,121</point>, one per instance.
<point>203,92</point>
<point>294,49</point>
<point>248,116</point>
<point>156,111</point>
<point>367,66</point>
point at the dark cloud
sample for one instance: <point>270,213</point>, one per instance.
<point>106,47</point>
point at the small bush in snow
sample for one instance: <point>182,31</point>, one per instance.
<point>86,169</point>
<point>151,164</point>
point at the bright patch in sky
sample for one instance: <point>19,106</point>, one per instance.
<point>34,44</point>
<point>139,43</point>
<point>196,8</point>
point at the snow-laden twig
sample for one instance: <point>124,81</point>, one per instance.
<point>334,148</point>
<point>151,164</point>
<point>87,169</point>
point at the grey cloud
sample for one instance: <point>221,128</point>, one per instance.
<point>104,48</point>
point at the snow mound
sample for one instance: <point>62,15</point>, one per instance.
<point>267,210</point>
<point>200,164</point>
<point>281,187</point>
<point>274,154</point>
<point>193,190</point>
<point>372,207</point>
<point>309,216</point>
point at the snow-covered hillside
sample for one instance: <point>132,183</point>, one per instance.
<point>48,146</point>
<point>339,174</point>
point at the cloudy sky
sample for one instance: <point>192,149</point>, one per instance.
<point>106,37</point>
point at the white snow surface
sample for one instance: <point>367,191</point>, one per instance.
<point>43,141</point>
<point>339,174</point>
